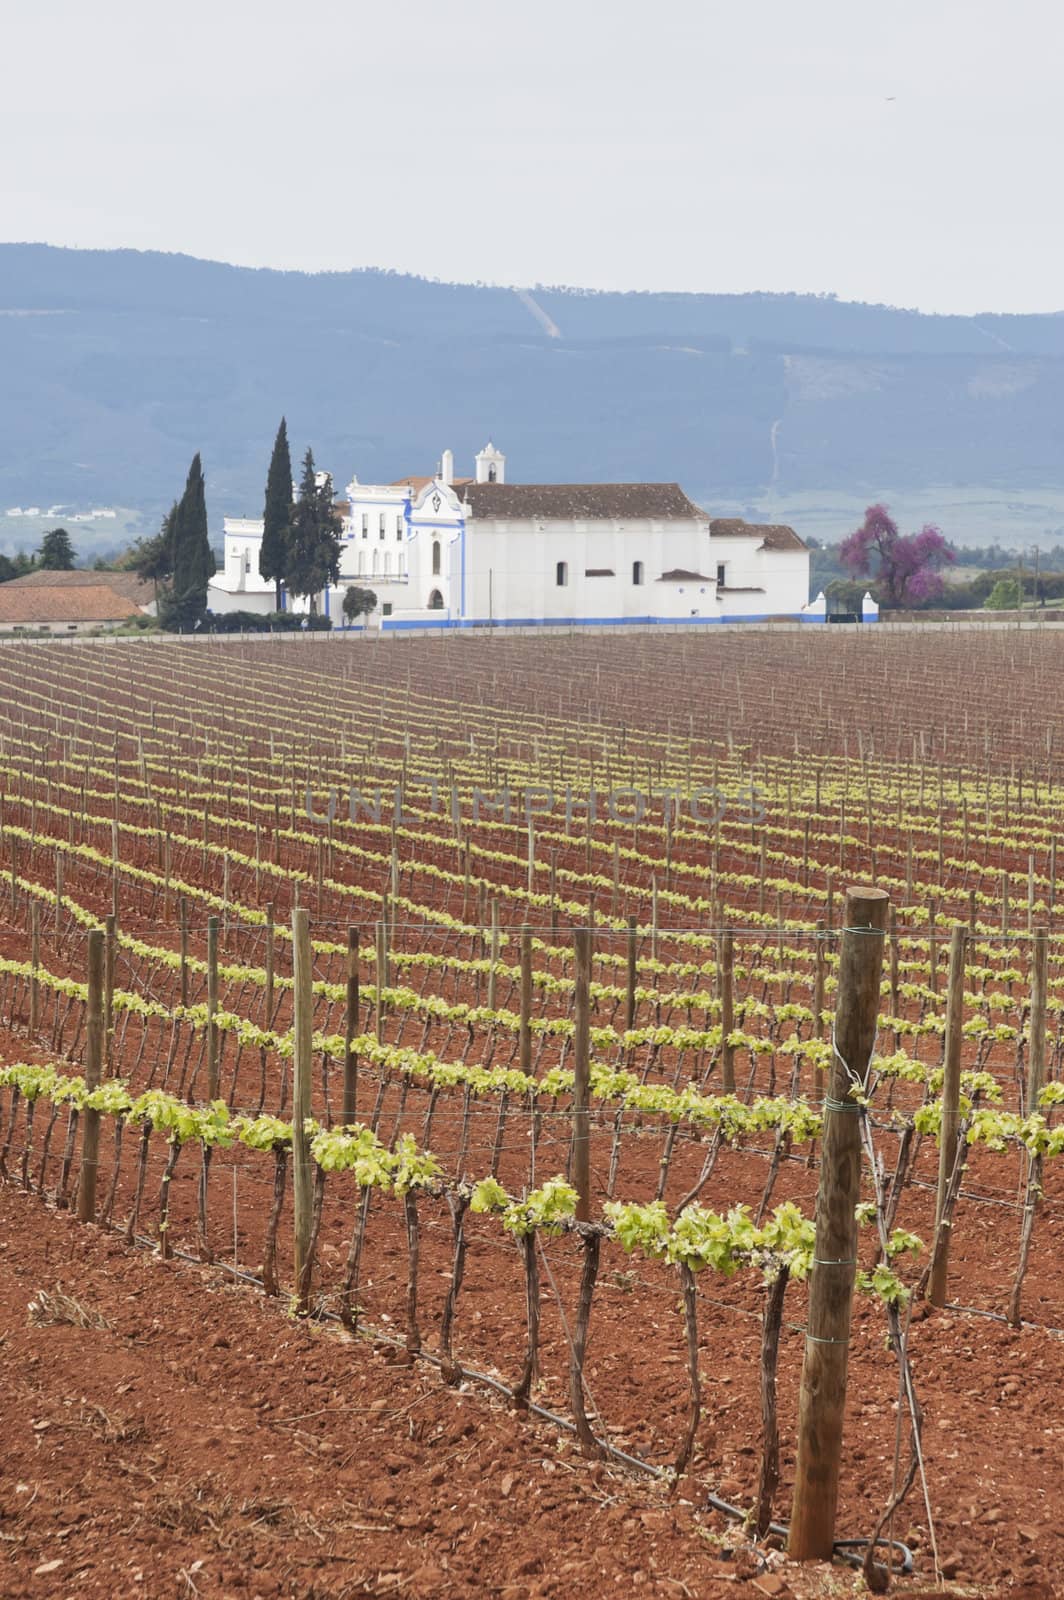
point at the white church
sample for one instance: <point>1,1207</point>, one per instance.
<point>453,552</point>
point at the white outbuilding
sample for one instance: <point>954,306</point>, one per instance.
<point>453,552</point>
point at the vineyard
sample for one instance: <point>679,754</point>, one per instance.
<point>488,999</point>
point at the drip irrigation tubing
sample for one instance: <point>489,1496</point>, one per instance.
<point>845,1550</point>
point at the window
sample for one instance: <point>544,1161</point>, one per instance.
<point>561,574</point>
<point>247,560</point>
<point>399,526</point>
<point>435,601</point>
<point>376,559</point>
<point>362,563</point>
<point>365,524</point>
<point>383,521</point>
<point>721,580</point>
<point>435,558</point>
<point>492,474</point>
<point>387,563</point>
<point>637,572</point>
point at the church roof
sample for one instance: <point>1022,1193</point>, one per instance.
<point>773,535</point>
<point>580,502</point>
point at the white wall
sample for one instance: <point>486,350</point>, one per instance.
<point>779,579</point>
<point>522,559</point>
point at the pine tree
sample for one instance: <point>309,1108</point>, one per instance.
<point>56,553</point>
<point>192,560</point>
<point>314,543</point>
<point>277,514</point>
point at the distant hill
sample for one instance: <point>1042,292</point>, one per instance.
<point>118,365</point>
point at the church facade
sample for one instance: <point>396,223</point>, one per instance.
<point>453,552</point>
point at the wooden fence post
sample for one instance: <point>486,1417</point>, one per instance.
<point>524,1061</point>
<point>581,1162</point>
<point>727,1011</point>
<point>212,1008</point>
<point>35,961</point>
<point>110,947</point>
<point>350,1106</point>
<point>951,1099</point>
<point>268,996</point>
<point>629,1005</point>
<point>382,976</point>
<point>90,1144</point>
<point>822,1398</point>
<point>183,918</point>
<point>302,1069</point>
<point>1036,1048</point>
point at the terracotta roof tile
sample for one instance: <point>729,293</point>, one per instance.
<point>580,502</point>
<point>73,603</point>
<point>773,535</point>
<point>123,583</point>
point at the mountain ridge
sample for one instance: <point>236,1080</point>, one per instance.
<point>120,364</point>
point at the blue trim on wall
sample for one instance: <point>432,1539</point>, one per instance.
<point>401,624</point>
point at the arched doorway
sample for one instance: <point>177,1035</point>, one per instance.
<point>435,601</point>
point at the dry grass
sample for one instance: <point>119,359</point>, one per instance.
<point>52,1308</point>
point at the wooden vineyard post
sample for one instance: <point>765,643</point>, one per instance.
<point>90,1145</point>
<point>183,918</point>
<point>820,972</point>
<point>1036,1070</point>
<point>302,1067</point>
<point>110,946</point>
<point>525,1035</point>
<point>822,1399</point>
<point>581,1162</point>
<point>212,1008</point>
<point>268,997</point>
<point>951,1097</point>
<point>727,1011</point>
<point>35,961</point>
<point>629,1004</point>
<point>350,1105</point>
<point>493,955</point>
<point>382,976</point>
<point>1036,1050</point>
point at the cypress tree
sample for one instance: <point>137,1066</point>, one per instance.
<point>277,514</point>
<point>314,545</point>
<point>192,562</point>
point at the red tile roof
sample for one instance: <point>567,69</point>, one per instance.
<point>773,535</point>
<point>25,607</point>
<point>580,502</point>
<point>123,583</point>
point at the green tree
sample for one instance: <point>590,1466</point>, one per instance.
<point>8,569</point>
<point>277,514</point>
<point>191,558</point>
<point>314,542</point>
<point>153,559</point>
<point>56,553</point>
<point>1004,596</point>
<point>359,603</point>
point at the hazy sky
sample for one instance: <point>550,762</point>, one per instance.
<point>907,152</point>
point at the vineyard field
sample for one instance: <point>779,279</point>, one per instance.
<point>458,819</point>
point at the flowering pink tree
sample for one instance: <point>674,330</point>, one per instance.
<point>905,566</point>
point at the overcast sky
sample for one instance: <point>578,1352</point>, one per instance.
<point>906,152</point>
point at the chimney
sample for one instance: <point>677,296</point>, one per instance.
<point>447,468</point>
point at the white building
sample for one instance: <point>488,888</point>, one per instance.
<point>454,552</point>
